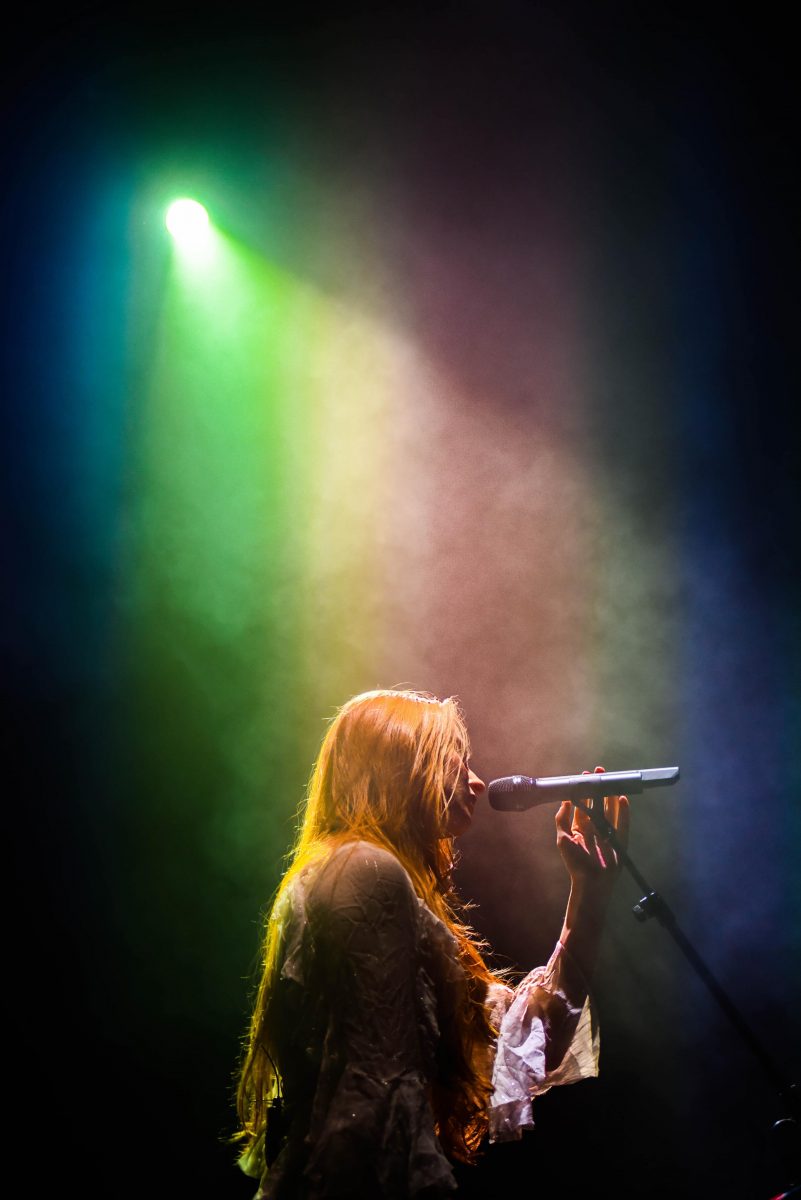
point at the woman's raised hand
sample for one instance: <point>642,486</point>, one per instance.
<point>589,859</point>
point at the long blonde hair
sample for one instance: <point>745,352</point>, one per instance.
<point>385,774</point>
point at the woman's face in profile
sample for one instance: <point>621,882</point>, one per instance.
<point>466,790</point>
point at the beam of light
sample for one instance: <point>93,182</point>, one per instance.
<point>261,410</point>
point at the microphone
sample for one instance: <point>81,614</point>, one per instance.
<point>516,793</point>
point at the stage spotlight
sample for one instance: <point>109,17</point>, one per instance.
<point>188,222</point>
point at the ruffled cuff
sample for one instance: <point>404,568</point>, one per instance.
<point>539,1015</point>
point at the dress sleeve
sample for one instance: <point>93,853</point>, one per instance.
<point>545,1038</point>
<point>374,1134</point>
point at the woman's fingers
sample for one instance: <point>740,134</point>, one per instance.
<point>584,847</point>
<point>598,801</point>
<point>615,809</point>
<point>622,823</point>
<point>563,818</point>
<point>582,821</point>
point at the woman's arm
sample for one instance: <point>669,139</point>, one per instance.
<point>593,868</point>
<point>548,1034</point>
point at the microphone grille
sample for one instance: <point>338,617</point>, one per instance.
<point>511,783</point>
<point>512,793</point>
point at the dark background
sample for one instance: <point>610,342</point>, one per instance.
<point>672,118</point>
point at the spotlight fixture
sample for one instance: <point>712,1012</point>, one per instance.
<point>188,222</point>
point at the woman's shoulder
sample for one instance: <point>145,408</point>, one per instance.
<point>362,865</point>
<point>351,878</point>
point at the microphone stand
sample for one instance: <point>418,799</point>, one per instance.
<point>787,1129</point>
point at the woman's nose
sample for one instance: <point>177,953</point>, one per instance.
<point>477,786</point>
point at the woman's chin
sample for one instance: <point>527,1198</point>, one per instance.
<point>459,823</point>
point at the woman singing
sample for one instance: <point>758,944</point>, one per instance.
<point>382,1047</point>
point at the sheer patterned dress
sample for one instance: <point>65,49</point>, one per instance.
<point>368,983</point>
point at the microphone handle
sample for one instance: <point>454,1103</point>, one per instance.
<point>610,783</point>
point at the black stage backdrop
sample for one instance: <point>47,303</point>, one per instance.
<point>600,199</point>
